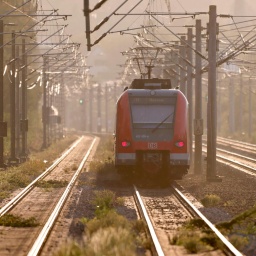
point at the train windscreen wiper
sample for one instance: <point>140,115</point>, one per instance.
<point>161,122</point>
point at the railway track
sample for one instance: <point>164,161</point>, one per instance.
<point>164,211</point>
<point>43,203</point>
<point>238,161</point>
<point>239,145</point>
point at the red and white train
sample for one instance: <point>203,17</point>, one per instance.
<point>151,136</point>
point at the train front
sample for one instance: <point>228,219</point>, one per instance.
<point>151,132</point>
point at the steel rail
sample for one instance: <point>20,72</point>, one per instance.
<point>27,189</point>
<point>144,215</point>
<point>237,155</point>
<point>240,147</point>
<point>50,222</point>
<point>224,240</point>
<point>234,161</point>
<point>238,143</point>
<point>246,168</point>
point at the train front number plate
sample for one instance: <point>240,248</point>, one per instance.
<point>152,145</point>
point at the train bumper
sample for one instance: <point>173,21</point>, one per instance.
<point>179,159</point>
<point>125,159</point>
<point>130,159</point>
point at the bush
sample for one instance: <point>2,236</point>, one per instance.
<point>210,200</point>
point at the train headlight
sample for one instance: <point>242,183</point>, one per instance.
<point>179,144</point>
<point>126,143</point>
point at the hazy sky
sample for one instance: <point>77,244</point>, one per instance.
<point>105,56</point>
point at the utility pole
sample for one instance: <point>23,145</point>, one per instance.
<point>17,110</point>
<point>87,19</point>
<point>62,105</point>
<point>165,71</point>
<point>241,112</point>
<point>13,160</point>
<point>49,98</point>
<point>24,120</point>
<point>219,108</point>
<point>85,108</point>
<point>182,65</point>
<point>99,108</point>
<point>90,107</point>
<point>190,84</point>
<point>231,106</point>
<point>250,109</point>
<point>3,125</point>
<point>50,104</point>
<point>175,67</point>
<point>198,121</point>
<point>106,107</point>
<point>82,110</point>
<point>45,115</point>
<point>212,109</point>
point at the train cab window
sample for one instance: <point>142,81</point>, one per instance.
<point>152,121</point>
<point>151,114</point>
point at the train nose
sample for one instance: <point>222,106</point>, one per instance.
<point>152,162</point>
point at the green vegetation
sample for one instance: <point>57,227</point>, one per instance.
<point>10,220</point>
<point>244,218</point>
<point>20,176</point>
<point>103,162</point>
<point>210,200</point>
<point>240,229</point>
<point>196,237</point>
<point>108,233</point>
<point>107,242</point>
<point>239,241</point>
<point>104,201</point>
<point>51,184</point>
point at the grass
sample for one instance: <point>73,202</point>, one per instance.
<point>103,162</point>
<point>245,218</point>
<point>210,200</point>
<point>104,203</point>
<point>10,220</point>
<point>239,241</point>
<point>196,237</point>
<point>108,233</point>
<point>51,184</point>
<point>20,176</point>
<point>240,229</point>
<point>107,242</point>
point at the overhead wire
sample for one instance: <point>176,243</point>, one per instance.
<point>181,5</point>
<point>236,42</point>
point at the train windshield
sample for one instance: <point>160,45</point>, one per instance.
<point>153,120</point>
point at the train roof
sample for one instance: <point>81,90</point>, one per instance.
<point>154,93</point>
<point>154,83</point>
